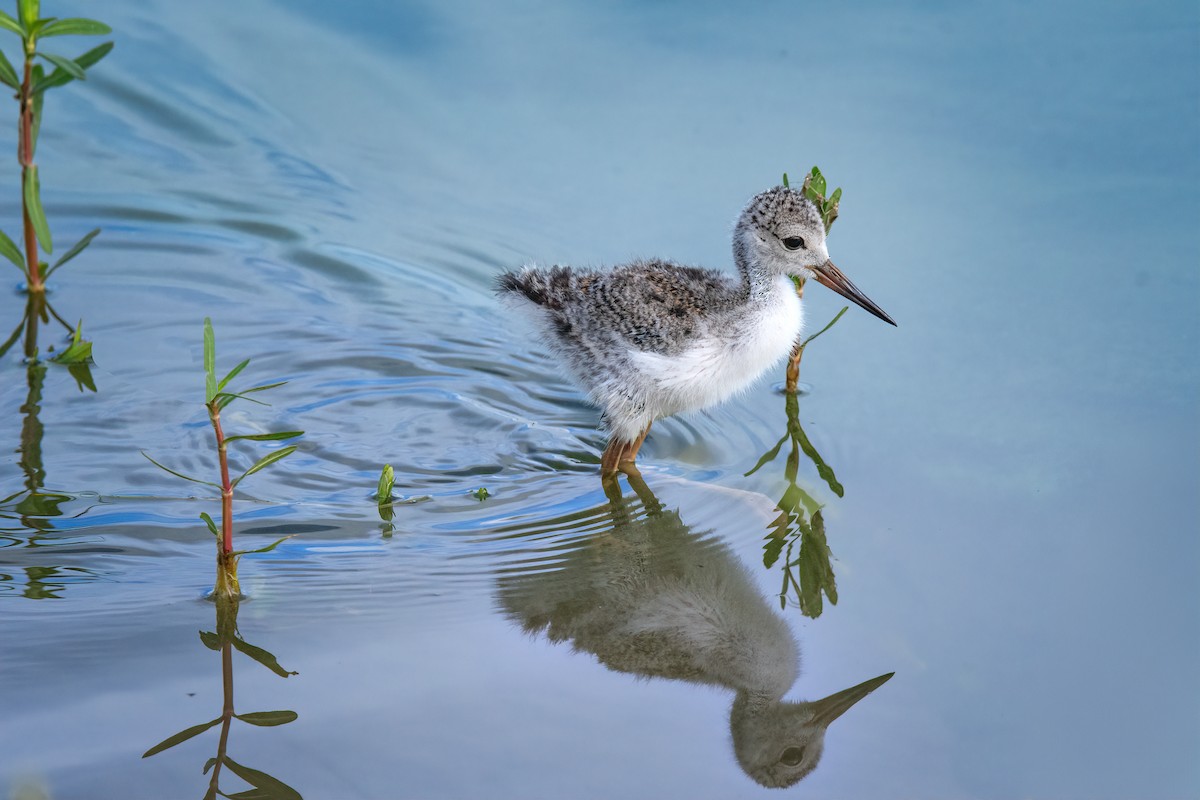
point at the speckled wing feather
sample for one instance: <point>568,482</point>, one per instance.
<point>653,306</point>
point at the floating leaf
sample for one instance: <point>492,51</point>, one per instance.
<point>481,494</point>
<point>9,249</point>
<point>7,73</point>
<point>79,247</point>
<point>266,461</point>
<point>232,374</point>
<point>180,737</point>
<point>212,526</point>
<point>65,64</point>
<point>268,719</point>
<point>210,362</point>
<point>265,437</point>
<point>179,474</point>
<point>33,207</point>
<point>262,657</point>
<point>75,26</point>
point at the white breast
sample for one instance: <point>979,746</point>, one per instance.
<point>726,361</point>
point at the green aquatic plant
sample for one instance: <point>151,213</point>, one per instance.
<point>814,188</point>
<point>31,87</point>
<point>800,522</point>
<point>481,494</point>
<point>225,639</point>
<point>216,399</point>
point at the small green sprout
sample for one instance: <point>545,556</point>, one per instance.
<point>481,494</point>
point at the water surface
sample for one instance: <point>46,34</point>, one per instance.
<point>335,187</point>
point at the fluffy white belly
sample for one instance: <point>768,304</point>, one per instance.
<point>726,361</point>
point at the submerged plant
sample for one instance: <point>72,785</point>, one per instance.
<point>813,188</point>
<point>216,399</point>
<point>31,87</point>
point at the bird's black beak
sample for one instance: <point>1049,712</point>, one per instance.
<point>827,710</point>
<point>832,277</point>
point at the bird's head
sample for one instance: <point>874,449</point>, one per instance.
<point>780,232</point>
<point>778,744</point>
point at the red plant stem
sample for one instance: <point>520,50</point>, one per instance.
<point>226,487</point>
<point>25,156</point>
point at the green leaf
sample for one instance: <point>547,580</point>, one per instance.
<point>836,197</point>
<point>266,549</point>
<point>212,762</point>
<point>265,437</point>
<point>210,640</point>
<point>79,247</point>
<point>786,185</point>
<point>268,719</point>
<point>35,30</point>
<point>268,788</point>
<point>225,398</point>
<point>7,73</point>
<point>179,474</point>
<point>387,479</point>
<point>92,57</point>
<point>232,374</point>
<point>33,207</point>
<point>9,249</point>
<point>212,526</point>
<point>818,182</point>
<point>29,11</point>
<point>10,24</point>
<point>75,26</point>
<point>481,494</point>
<point>827,327</point>
<point>263,388</point>
<point>179,738</point>
<point>60,76</point>
<point>262,657</point>
<point>266,461</point>
<point>210,362</point>
<point>66,65</point>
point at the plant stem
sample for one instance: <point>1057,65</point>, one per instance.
<point>792,376</point>
<point>227,579</point>
<point>25,156</point>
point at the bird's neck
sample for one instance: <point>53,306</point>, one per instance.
<point>758,283</point>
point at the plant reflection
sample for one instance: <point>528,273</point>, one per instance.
<point>648,596</point>
<point>225,640</point>
<point>810,575</point>
<point>32,507</point>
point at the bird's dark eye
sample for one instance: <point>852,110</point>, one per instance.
<point>793,243</point>
<point>792,756</point>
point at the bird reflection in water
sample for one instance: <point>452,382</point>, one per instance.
<point>649,596</point>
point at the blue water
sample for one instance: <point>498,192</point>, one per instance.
<point>336,184</point>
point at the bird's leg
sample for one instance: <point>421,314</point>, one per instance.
<point>611,458</point>
<point>635,445</point>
